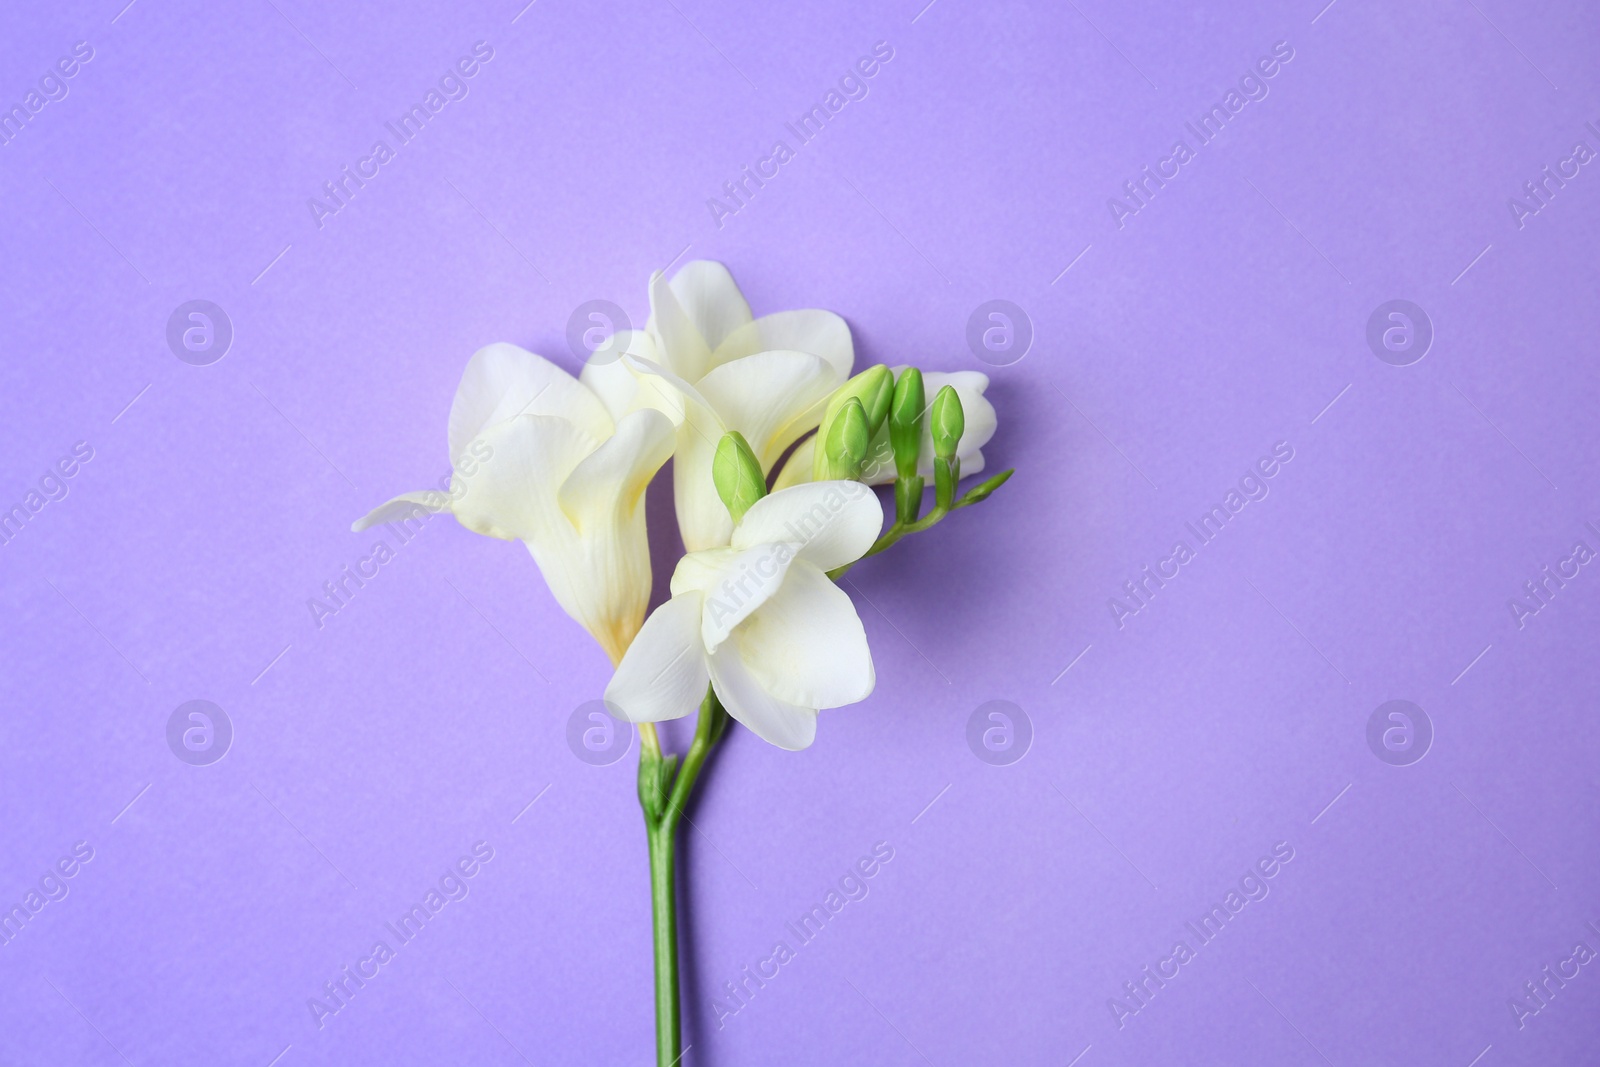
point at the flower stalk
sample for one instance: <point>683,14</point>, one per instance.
<point>665,784</point>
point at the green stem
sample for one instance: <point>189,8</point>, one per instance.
<point>664,922</point>
<point>902,526</point>
<point>663,795</point>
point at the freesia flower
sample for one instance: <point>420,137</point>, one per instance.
<point>767,378</point>
<point>540,457</point>
<point>761,620</point>
<point>879,469</point>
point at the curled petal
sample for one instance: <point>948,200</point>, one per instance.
<point>600,572</point>
<point>502,382</point>
<point>608,485</point>
<point>404,506</point>
<point>512,494</point>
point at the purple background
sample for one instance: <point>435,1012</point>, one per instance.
<point>1228,715</point>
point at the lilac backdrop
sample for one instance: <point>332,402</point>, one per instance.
<point>1177,340</point>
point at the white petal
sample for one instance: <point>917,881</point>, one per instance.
<point>775,721</point>
<point>707,293</point>
<point>820,333</point>
<point>679,345</point>
<point>602,578</point>
<point>601,575</point>
<point>703,519</point>
<point>503,381</point>
<point>404,506</point>
<point>772,398</point>
<point>512,494</point>
<point>664,673</point>
<point>831,523</point>
<point>734,582</point>
<point>797,468</point>
<point>691,314</point>
<point>609,375</point>
<point>608,485</point>
<point>806,645</point>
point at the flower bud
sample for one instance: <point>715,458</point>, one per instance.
<point>846,445</point>
<point>877,390</point>
<point>947,422</point>
<point>874,388</point>
<point>905,422</point>
<point>737,474</point>
<point>981,491</point>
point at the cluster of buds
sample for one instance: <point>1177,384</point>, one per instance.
<point>851,445</point>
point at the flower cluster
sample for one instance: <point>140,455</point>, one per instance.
<point>754,612</point>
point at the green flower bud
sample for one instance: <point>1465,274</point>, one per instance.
<point>981,491</point>
<point>874,388</point>
<point>847,441</point>
<point>905,422</point>
<point>948,422</point>
<point>737,475</point>
<point>877,390</point>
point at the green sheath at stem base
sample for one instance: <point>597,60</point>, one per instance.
<point>663,796</point>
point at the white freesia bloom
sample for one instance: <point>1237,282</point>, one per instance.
<point>768,378</point>
<point>761,620</point>
<point>879,467</point>
<point>538,456</point>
